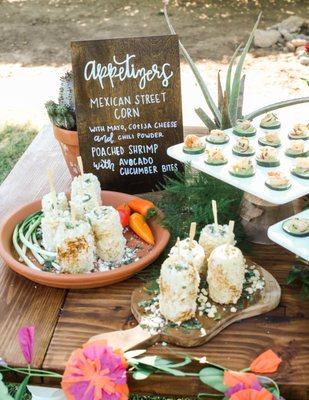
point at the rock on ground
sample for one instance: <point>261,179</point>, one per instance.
<point>292,24</point>
<point>266,38</point>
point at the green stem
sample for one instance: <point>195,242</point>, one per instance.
<point>19,251</point>
<point>270,380</point>
<point>32,372</point>
<point>276,106</point>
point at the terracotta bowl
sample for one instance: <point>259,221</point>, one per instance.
<point>81,281</point>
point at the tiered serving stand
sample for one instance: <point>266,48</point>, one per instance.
<point>261,206</point>
<point>297,245</point>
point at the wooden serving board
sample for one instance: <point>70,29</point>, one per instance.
<point>263,301</point>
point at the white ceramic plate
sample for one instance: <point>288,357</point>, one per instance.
<point>297,245</point>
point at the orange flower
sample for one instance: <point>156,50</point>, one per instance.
<point>251,394</point>
<point>233,378</point>
<point>266,363</point>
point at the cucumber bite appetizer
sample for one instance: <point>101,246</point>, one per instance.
<point>193,145</point>
<point>267,157</point>
<point>217,136</point>
<point>299,131</point>
<point>242,168</point>
<point>301,169</point>
<point>270,121</point>
<point>244,127</point>
<point>214,156</point>
<point>242,148</point>
<point>298,227</point>
<point>296,148</point>
<point>276,180</point>
<point>271,139</point>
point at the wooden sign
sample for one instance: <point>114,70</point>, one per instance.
<point>128,107</point>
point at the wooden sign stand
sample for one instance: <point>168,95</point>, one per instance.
<point>128,107</point>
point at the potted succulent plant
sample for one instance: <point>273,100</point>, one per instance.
<point>62,116</point>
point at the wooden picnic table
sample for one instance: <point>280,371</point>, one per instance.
<point>65,319</point>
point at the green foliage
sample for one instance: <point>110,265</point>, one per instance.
<point>230,101</point>
<point>60,115</point>
<point>4,392</point>
<point>187,198</point>
<point>14,139</point>
<point>300,273</point>
<point>213,377</point>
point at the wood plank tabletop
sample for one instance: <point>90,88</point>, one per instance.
<point>64,320</point>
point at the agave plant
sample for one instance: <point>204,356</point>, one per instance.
<point>230,99</point>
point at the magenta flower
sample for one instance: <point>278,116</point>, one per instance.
<point>26,342</point>
<point>96,372</point>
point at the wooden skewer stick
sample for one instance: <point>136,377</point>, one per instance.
<point>52,188</point>
<point>81,171</point>
<point>215,213</point>
<point>80,165</point>
<point>230,232</point>
<point>192,233</point>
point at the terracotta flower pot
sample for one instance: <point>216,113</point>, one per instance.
<point>69,144</point>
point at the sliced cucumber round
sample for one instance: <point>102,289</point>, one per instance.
<point>295,155</point>
<point>216,163</point>
<point>198,150</point>
<point>265,143</point>
<point>278,188</point>
<point>286,228</point>
<point>299,174</point>
<point>226,140</point>
<point>244,133</point>
<point>305,137</point>
<point>247,175</point>
<point>268,164</point>
<point>247,153</point>
<point>271,127</point>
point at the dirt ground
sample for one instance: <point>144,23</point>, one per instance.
<point>36,35</point>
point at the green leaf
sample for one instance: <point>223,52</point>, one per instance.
<point>147,360</point>
<point>229,72</point>
<point>201,395</point>
<point>276,106</point>
<point>293,275</point>
<point>206,119</point>
<point>211,104</point>
<point>142,373</point>
<point>161,361</point>
<point>237,76</point>
<point>134,353</point>
<point>213,377</point>
<point>304,292</point>
<point>240,101</point>
<point>4,393</point>
<point>22,388</point>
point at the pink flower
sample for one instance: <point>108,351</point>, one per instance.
<point>307,48</point>
<point>96,372</point>
<point>26,342</point>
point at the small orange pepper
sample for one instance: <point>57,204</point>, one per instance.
<point>143,206</point>
<point>139,226</point>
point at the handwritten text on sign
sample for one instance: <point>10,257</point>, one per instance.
<point>128,109</point>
